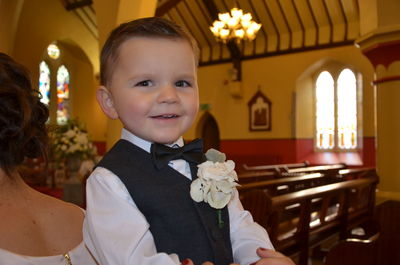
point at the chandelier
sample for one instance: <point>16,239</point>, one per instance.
<point>235,25</point>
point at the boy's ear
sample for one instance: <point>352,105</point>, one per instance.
<point>105,100</point>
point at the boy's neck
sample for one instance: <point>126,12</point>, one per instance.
<point>144,144</point>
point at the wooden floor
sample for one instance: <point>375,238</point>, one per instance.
<point>388,216</point>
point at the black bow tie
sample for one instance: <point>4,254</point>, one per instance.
<point>191,152</point>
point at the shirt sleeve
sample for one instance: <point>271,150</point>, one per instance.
<point>246,235</point>
<point>114,230</point>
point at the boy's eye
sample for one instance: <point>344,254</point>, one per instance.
<point>183,83</point>
<point>144,83</point>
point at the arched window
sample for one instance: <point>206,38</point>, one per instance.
<point>55,79</point>
<point>62,95</point>
<point>347,110</point>
<point>325,110</point>
<point>44,82</point>
<point>336,111</point>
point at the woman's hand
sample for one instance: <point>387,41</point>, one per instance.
<point>271,257</point>
<point>190,262</point>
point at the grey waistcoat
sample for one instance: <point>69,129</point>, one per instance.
<point>178,224</point>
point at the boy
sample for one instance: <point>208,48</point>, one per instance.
<point>139,211</point>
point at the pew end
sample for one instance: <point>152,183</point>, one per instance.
<point>354,251</point>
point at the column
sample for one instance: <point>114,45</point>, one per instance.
<point>380,43</point>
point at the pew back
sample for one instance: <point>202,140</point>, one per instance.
<point>304,218</point>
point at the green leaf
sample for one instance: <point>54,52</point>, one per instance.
<point>215,156</point>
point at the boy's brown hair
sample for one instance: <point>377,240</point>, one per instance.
<point>152,27</point>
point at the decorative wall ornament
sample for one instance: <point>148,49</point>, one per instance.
<point>259,112</point>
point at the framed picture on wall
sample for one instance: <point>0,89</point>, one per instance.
<point>259,112</point>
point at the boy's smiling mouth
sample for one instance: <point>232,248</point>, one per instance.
<point>165,116</point>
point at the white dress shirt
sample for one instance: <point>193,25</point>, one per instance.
<point>117,233</point>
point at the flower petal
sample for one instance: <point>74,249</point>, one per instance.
<point>218,200</point>
<point>196,191</point>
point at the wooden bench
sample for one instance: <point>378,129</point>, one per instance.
<point>273,167</point>
<point>327,169</point>
<point>256,176</point>
<point>354,251</point>
<point>264,173</point>
<point>321,212</point>
<point>277,186</point>
<point>356,173</point>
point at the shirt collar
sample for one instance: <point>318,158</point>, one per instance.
<point>145,145</point>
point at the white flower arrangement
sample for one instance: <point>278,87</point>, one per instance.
<point>72,140</point>
<point>216,180</point>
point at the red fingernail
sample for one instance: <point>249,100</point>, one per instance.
<point>254,263</point>
<point>185,261</point>
<point>263,249</point>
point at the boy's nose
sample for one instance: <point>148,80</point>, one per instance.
<point>168,94</point>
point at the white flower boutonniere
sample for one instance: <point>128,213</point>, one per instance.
<point>216,181</point>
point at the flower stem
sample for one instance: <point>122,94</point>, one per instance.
<point>219,218</point>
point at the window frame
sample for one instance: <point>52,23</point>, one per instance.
<point>335,72</point>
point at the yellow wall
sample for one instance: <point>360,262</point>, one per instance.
<point>83,95</point>
<point>9,16</point>
<point>278,78</point>
<point>44,21</point>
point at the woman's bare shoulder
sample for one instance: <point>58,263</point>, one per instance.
<point>61,209</point>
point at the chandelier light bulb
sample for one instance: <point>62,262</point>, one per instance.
<point>245,23</point>
<point>255,27</point>
<point>214,30</point>
<point>247,17</point>
<point>237,13</point>
<point>219,24</point>
<point>224,17</point>
<point>224,33</point>
<point>239,33</point>
<point>232,22</point>
<point>235,25</point>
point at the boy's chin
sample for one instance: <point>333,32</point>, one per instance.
<point>162,139</point>
<point>165,141</point>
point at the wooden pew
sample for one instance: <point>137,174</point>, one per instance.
<point>355,173</point>
<point>277,186</point>
<point>354,251</point>
<point>275,171</point>
<point>322,211</point>
<point>273,167</point>
<point>256,176</point>
<point>334,168</point>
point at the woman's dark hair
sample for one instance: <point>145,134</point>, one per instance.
<point>149,27</point>
<point>23,117</point>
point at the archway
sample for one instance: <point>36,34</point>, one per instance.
<point>208,130</point>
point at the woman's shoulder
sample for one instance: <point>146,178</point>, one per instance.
<point>60,209</point>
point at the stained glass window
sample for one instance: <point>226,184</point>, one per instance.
<point>347,110</point>
<point>44,82</point>
<point>325,111</point>
<point>62,95</point>
<point>53,51</point>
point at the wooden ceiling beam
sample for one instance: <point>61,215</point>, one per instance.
<point>77,4</point>
<point>164,8</point>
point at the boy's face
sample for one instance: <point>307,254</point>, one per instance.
<point>153,88</point>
